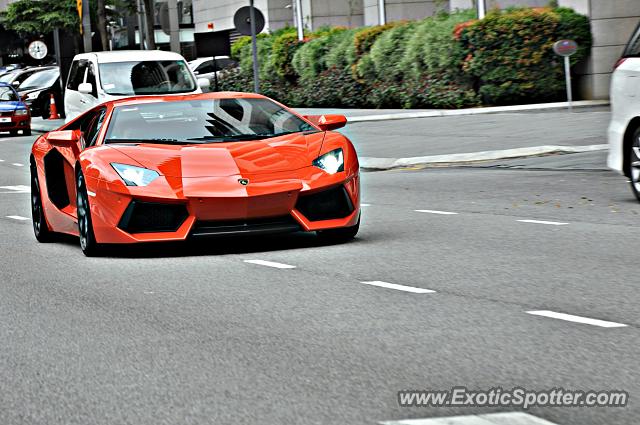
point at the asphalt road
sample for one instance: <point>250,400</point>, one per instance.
<point>193,334</point>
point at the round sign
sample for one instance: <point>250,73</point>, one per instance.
<point>565,47</point>
<point>242,20</point>
<point>38,50</point>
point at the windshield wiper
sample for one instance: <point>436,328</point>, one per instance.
<point>155,141</point>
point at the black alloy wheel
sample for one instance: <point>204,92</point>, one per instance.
<point>85,227</point>
<point>40,226</point>
<point>634,171</point>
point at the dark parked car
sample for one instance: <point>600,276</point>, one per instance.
<point>36,92</point>
<point>15,77</point>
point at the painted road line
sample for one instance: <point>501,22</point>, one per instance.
<point>551,223</point>
<point>18,217</point>
<point>270,264</point>
<point>1,160</point>
<point>577,319</point>
<point>437,212</point>
<point>17,164</point>
<point>506,418</point>
<point>399,287</point>
<point>17,189</point>
<point>365,205</point>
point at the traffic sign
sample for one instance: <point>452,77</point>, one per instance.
<point>565,47</point>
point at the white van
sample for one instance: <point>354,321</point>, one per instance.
<point>98,77</point>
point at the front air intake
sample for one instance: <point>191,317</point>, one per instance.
<point>147,217</point>
<point>326,205</point>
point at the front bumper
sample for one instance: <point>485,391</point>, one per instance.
<point>173,209</point>
<point>22,122</point>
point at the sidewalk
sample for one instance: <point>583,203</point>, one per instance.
<point>42,126</point>
<point>364,115</point>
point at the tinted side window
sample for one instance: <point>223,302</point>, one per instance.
<point>633,48</point>
<point>76,75</point>
<point>91,135</point>
<point>226,63</point>
<point>91,79</point>
<point>205,67</point>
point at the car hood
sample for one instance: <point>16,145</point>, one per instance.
<point>286,153</point>
<point>10,105</point>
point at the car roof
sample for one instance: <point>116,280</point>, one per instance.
<point>129,56</point>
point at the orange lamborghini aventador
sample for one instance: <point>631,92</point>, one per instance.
<point>155,169</point>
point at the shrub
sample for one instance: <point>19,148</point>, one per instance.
<point>333,87</point>
<point>383,61</point>
<point>432,48</point>
<point>310,59</point>
<point>338,55</point>
<point>510,54</point>
<point>283,49</point>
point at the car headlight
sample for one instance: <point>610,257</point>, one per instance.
<point>32,95</point>
<point>331,162</point>
<point>135,176</point>
<point>20,112</point>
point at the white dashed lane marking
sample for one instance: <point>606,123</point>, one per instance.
<point>505,418</point>
<point>399,287</point>
<point>551,223</point>
<point>18,217</point>
<point>365,205</point>
<point>270,264</point>
<point>577,319</point>
<point>17,164</point>
<point>437,212</point>
<point>16,189</point>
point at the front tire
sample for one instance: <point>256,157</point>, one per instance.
<point>88,243</point>
<point>634,167</point>
<point>40,226</point>
<point>341,235</point>
<point>26,132</point>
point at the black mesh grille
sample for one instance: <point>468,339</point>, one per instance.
<point>146,217</point>
<point>326,205</point>
<point>254,226</point>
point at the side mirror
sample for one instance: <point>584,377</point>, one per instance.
<point>86,88</point>
<point>328,122</point>
<point>203,83</point>
<point>64,138</point>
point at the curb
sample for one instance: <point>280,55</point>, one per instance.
<point>379,164</point>
<point>478,111</point>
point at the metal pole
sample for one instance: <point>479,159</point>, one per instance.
<point>254,42</point>
<point>382,12</point>
<point>174,26</point>
<point>299,19</point>
<point>140,25</point>
<point>56,46</point>
<point>482,9</point>
<point>567,72</point>
<point>86,26</point>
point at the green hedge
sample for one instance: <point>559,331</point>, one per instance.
<point>445,61</point>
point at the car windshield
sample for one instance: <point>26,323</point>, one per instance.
<point>42,79</point>
<point>6,78</point>
<point>146,77</point>
<point>203,121</point>
<point>7,94</point>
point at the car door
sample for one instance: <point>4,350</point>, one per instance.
<point>89,100</point>
<point>60,179</point>
<point>72,105</point>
